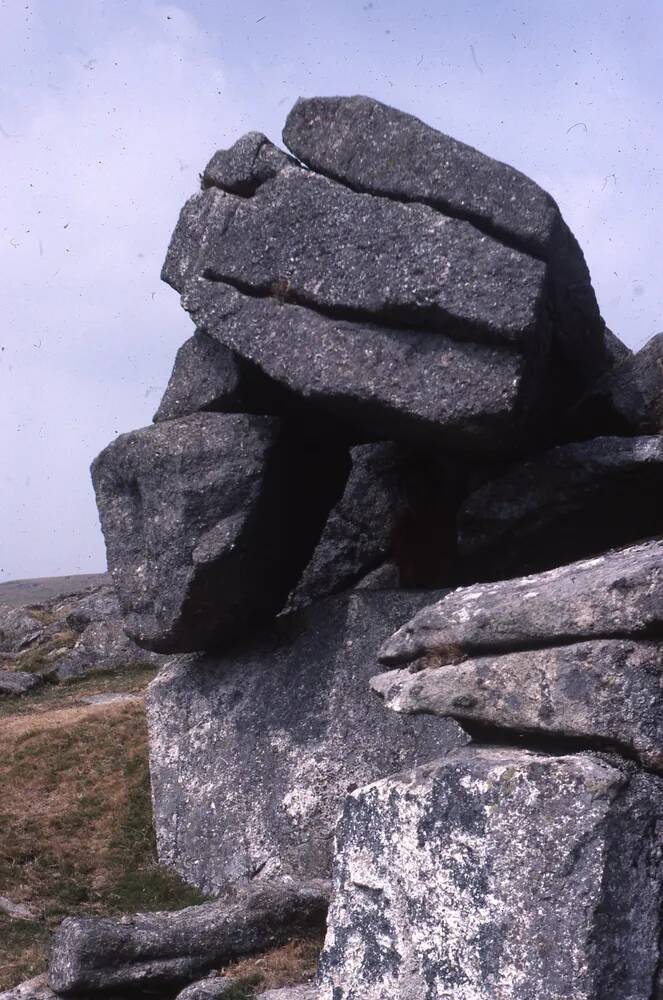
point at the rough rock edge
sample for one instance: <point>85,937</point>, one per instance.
<point>601,694</point>
<point>97,953</point>
<point>619,593</point>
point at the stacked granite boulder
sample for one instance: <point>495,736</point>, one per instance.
<point>400,385</point>
<point>528,863</point>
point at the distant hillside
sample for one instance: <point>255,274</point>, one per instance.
<point>18,593</point>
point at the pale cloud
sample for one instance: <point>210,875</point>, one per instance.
<point>109,110</point>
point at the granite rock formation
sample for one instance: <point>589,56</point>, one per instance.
<point>206,376</point>
<point>64,637</point>
<point>400,157</point>
<point>619,593</point>
<point>629,398</point>
<point>253,751</point>
<point>400,385</point>
<point>606,693</point>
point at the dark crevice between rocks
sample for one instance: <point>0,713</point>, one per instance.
<point>585,533</point>
<point>460,654</point>
<point>427,320</point>
<point>424,539</point>
<point>304,485</point>
<point>245,190</point>
<point>557,744</point>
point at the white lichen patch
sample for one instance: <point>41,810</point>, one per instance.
<point>475,877</point>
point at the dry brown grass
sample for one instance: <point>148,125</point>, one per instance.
<point>292,963</point>
<point>131,680</point>
<point>42,615</point>
<point>75,825</point>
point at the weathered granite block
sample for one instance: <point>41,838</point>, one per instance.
<point>616,594</point>
<point>603,693</point>
<point>252,753</point>
<point>208,521</point>
<point>566,503</point>
<point>374,148</point>
<point>144,951</point>
<point>498,873</point>
<point>629,398</point>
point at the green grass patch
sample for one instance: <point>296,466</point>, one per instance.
<point>131,680</point>
<point>76,833</point>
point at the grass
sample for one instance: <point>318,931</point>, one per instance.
<point>76,832</point>
<point>42,615</point>
<point>291,963</point>
<point>75,824</point>
<point>130,680</point>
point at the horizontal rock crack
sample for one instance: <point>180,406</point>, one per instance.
<point>405,322</point>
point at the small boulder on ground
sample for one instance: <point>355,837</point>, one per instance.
<point>212,988</point>
<point>14,682</point>
<point>96,605</point>
<point>18,628</point>
<point>165,949</point>
<point>32,989</point>
<point>102,646</point>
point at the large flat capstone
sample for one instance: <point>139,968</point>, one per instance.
<point>252,753</point>
<point>374,148</point>
<point>496,872</point>
<point>379,149</point>
<point>401,264</point>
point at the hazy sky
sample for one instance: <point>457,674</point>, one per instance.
<point>109,111</point>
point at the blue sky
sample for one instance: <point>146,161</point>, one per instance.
<point>109,110</point>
